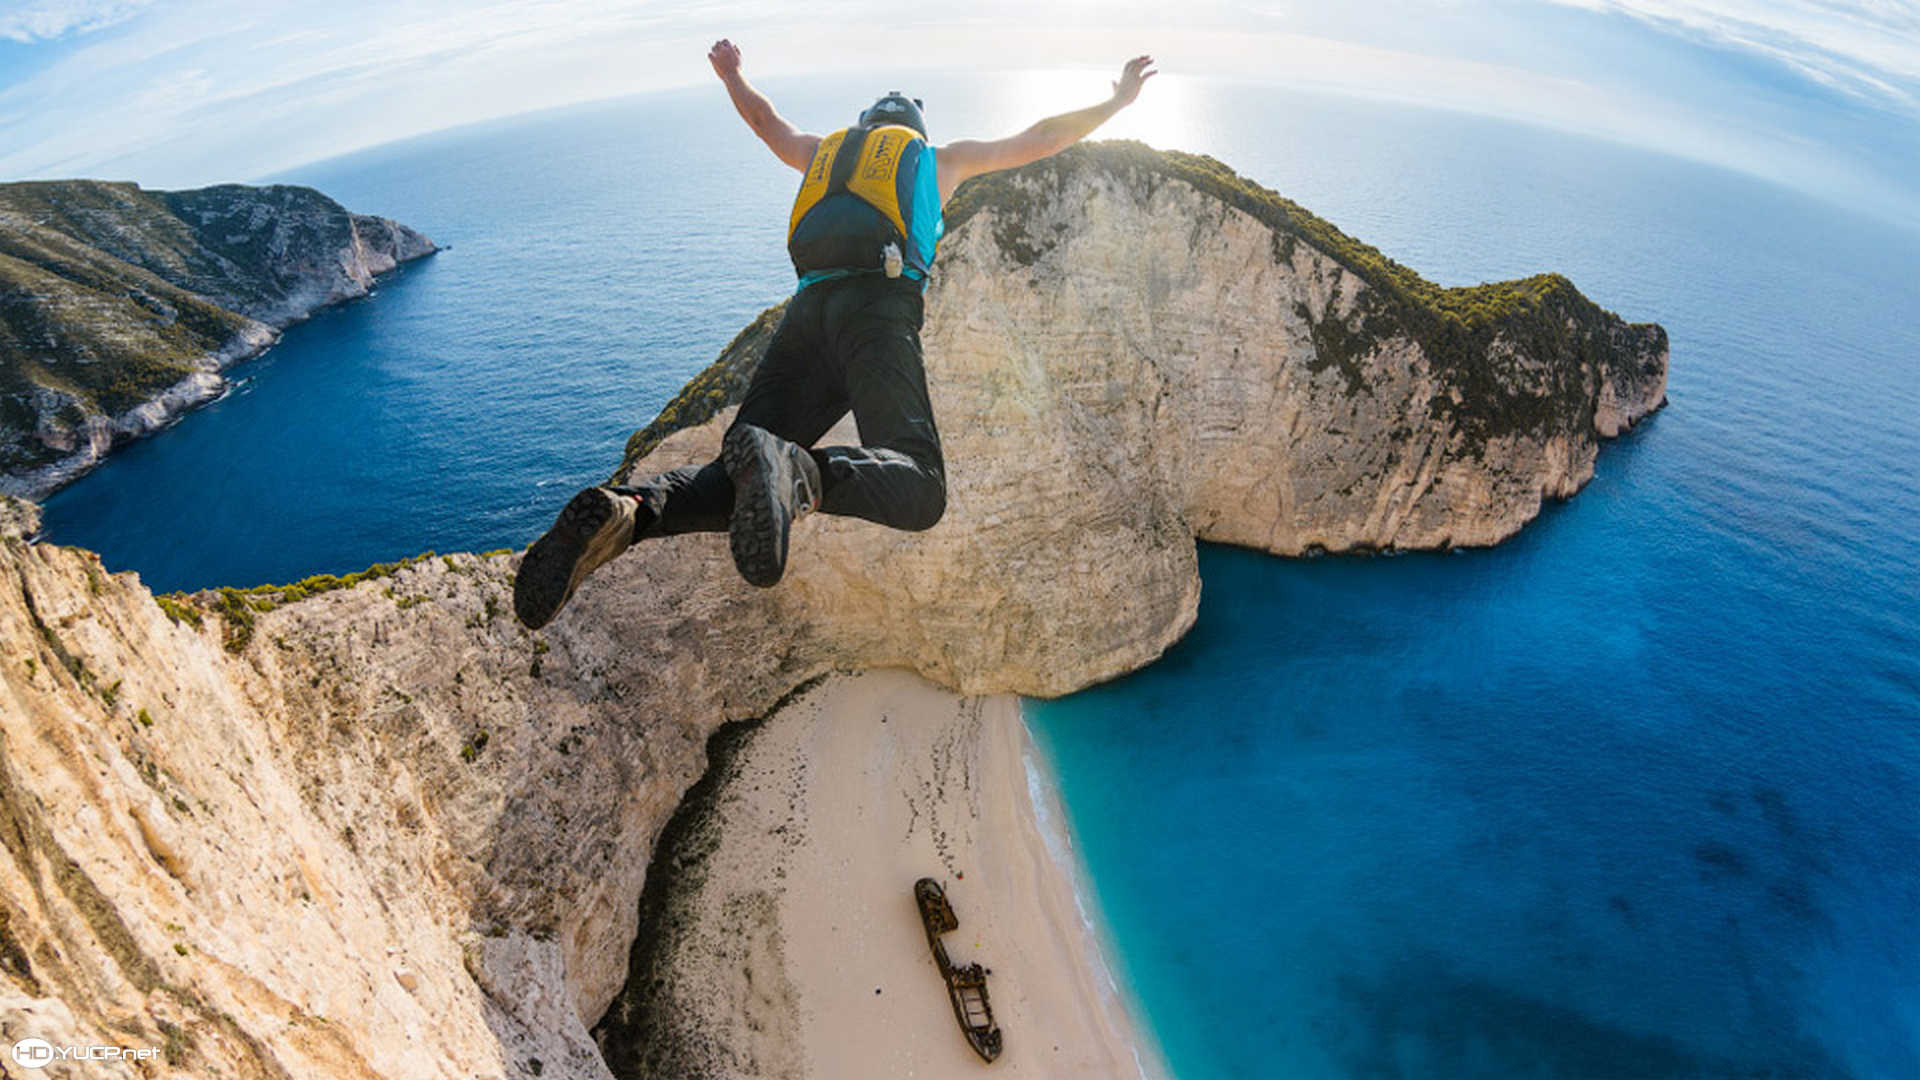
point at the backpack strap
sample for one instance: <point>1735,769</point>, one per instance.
<point>845,159</point>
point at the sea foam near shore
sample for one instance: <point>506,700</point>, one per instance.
<point>1051,826</point>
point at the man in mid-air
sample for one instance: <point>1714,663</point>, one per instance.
<point>863,233</point>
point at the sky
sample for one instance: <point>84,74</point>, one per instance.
<point>1820,95</point>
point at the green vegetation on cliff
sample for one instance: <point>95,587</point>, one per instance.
<point>719,385</point>
<point>238,606</point>
<point>1458,329</point>
<point>1013,196</point>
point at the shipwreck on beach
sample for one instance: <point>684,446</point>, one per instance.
<point>966,983</point>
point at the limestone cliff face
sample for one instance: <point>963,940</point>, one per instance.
<point>378,832</point>
<point>119,307</point>
<point>375,828</point>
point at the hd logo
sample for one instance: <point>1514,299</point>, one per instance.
<point>32,1053</point>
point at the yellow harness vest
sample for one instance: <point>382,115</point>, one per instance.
<point>852,205</point>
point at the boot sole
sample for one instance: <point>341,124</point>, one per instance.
<point>559,561</point>
<point>759,544</point>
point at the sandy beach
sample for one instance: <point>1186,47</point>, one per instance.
<point>788,944</point>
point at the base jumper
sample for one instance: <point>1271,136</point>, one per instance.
<point>863,233</point>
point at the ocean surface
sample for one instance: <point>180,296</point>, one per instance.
<point>1634,794</point>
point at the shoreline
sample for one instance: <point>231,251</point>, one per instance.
<point>785,941</point>
<point>99,434</point>
<point>1051,825</point>
<point>103,434</point>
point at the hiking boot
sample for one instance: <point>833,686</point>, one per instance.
<point>774,482</point>
<point>595,525</point>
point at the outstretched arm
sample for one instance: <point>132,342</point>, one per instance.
<point>967,158</point>
<point>788,143</point>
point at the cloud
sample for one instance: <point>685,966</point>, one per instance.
<point>1867,49</point>
<point>45,20</point>
<point>225,89</point>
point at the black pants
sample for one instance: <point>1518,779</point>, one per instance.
<point>851,343</point>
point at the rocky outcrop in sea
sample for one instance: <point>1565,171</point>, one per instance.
<point>120,307</point>
<point>369,826</point>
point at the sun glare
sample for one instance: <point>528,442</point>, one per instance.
<point>1162,117</point>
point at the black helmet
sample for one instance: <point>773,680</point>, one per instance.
<point>895,108</point>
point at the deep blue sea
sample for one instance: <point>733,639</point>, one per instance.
<point>1636,794</point>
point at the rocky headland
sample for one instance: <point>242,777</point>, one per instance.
<point>120,307</point>
<point>369,826</point>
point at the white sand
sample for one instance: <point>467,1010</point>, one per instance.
<point>833,809</point>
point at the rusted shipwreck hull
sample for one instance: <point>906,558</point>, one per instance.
<point>966,984</point>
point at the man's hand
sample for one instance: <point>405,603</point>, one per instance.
<point>1132,78</point>
<point>725,58</point>
<point>970,157</point>
<point>789,144</point>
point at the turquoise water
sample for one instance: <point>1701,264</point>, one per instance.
<point>1636,794</point>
